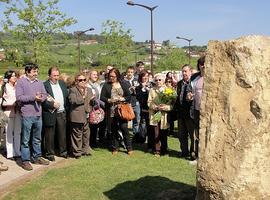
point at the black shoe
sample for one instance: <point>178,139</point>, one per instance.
<point>64,156</point>
<point>50,158</point>
<point>183,155</point>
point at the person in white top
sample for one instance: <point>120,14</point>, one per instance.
<point>96,129</point>
<point>13,127</point>
<point>195,94</point>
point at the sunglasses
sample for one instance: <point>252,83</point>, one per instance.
<point>168,82</point>
<point>81,80</point>
<point>158,80</point>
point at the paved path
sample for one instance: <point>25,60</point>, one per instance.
<point>16,176</point>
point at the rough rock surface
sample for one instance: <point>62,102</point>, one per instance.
<point>234,149</point>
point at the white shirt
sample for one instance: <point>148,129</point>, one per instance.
<point>58,96</point>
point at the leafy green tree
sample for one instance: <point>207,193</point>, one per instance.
<point>118,43</point>
<point>166,43</point>
<point>32,24</point>
<point>173,60</point>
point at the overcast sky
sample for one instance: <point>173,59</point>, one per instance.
<point>194,19</point>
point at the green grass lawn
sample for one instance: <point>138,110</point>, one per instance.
<point>141,176</point>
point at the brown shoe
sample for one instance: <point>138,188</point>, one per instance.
<point>130,153</point>
<point>41,161</point>
<point>3,168</point>
<point>114,152</point>
<point>27,166</point>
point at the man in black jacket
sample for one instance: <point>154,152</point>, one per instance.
<point>185,122</point>
<point>54,115</point>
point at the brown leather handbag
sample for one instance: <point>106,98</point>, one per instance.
<point>125,111</point>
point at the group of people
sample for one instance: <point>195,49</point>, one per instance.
<point>48,118</point>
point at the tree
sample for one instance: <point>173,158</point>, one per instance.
<point>32,24</point>
<point>173,60</point>
<point>118,42</point>
<point>166,43</point>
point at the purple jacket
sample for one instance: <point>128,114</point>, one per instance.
<point>26,94</point>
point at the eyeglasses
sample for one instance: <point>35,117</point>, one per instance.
<point>81,80</point>
<point>158,80</point>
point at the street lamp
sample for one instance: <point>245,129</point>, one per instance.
<point>131,3</point>
<point>189,40</point>
<point>79,33</point>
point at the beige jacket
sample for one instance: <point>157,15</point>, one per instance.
<point>151,103</point>
<point>9,101</point>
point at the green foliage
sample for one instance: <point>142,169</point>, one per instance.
<point>166,43</point>
<point>196,48</point>
<point>173,60</point>
<point>33,22</point>
<point>118,43</point>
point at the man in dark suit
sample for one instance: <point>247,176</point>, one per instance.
<point>54,115</point>
<point>185,122</point>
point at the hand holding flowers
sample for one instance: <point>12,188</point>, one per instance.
<point>165,97</point>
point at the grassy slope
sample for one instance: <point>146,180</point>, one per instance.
<point>103,176</point>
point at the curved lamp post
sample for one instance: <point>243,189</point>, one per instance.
<point>189,41</point>
<point>79,33</point>
<point>131,3</point>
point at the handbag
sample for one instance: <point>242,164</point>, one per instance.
<point>126,111</point>
<point>96,115</point>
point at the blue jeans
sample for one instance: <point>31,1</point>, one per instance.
<point>28,124</point>
<point>137,119</point>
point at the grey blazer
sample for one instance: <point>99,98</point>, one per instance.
<point>79,107</point>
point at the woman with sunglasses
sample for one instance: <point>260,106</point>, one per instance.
<point>80,97</point>
<point>112,93</point>
<point>9,105</point>
<point>160,128</point>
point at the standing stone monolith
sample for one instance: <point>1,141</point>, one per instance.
<point>234,152</point>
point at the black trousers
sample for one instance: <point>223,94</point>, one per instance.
<point>119,124</point>
<point>97,130</point>
<point>150,131</point>
<point>186,129</point>
<point>58,133</point>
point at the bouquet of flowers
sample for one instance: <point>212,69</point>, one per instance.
<point>165,96</point>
